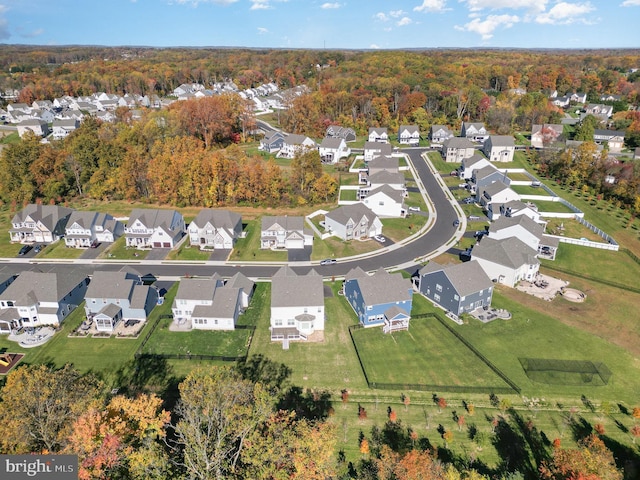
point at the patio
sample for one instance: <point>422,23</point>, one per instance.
<point>32,337</point>
<point>544,287</point>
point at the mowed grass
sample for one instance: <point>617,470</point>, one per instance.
<point>427,354</point>
<point>555,207</point>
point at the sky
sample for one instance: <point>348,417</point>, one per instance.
<point>330,24</point>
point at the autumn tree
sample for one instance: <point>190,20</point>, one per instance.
<point>364,447</point>
<point>406,401</point>
<point>218,410</point>
<point>39,405</point>
<point>413,465</point>
<point>16,174</point>
<point>306,169</point>
<point>442,403</point>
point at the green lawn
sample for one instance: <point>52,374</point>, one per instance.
<point>426,354</point>
<point>60,250</point>
<point>519,177</point>
<point>546,206</point>
<point>120,251</point>
<point>348,195</point>
<point>187,252</point>
<point>333,247</point>
<point>529,190</point>
<point>248,248</point>
<point>400,228</point>
<point>349,179</point>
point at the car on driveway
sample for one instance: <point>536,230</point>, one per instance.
<point>414,209</point>
<point>380,238</point>
<point>328,261</point>
<point>24,250</point>
<point>37,249</point>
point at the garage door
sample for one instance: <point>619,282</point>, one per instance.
<point>157,244</point>
<point>166,244</point>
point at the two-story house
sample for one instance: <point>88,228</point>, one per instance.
<point>284,232</point>
<point>468,165</point>
<point>545,135</point>
<point>272,142</point>
<point>88,229</point>
<point>36,299</point>
<point>385,201</point>
<point>456,149</point>
<point>154,228</point>
<point>346,133</point>
<point>333,149</point>
<point>376,149</point>
<point>409,135</point>
<point>114,297</point>
<point>213,228</point>
<point>353,221</point>
<point>439,133</point>
<point>381,299</point>
<point>499,148</point>
<point>457,288</point>
<point>378,135</point>
<point>474,131</point>
<point>62,128</point>
<point>483,177</point>
<point>496,192</point>
<point>297,306</point>
<point>506,261</point>
<point>33,125</point>
<point>39,224</point>
<point>614,139</point>
<point>294,144</point>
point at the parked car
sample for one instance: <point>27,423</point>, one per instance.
<point>37,248</point>
<point>24,250</point>
<point>462,185</point>
<point>328,261</point>
<point>456,223</point>
<point>380,238</point>
<point>469,200</point>
<point>414,209</point>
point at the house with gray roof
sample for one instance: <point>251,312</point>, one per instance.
<point>215,228</point>
<point>614,139</point>
<point>272,142</point>
<point>33,125</point>
<point>353,221</point>
<point>380,299</point>
<point>497,192</point>
<point>439,133</point>
<point>474,131</point>
<point>514,209</point>
<point>456,149</point>
<point>36,299</point>
<point>154,228</point>
<point>246,285</point>
<point>346,133</point>
<point>331,150</point>
<point>474,162</point>
<point>386,201</point>
<point>457,288</point>
<point>409,135</point>
<point>506,261</point>
<point>88,229</point>
<point>520,226</point>
<point>499,148</point>
<point>485,176</point>
<point>114,297</point>
<point>294,144</point>
<point>545,135</point>
<point>297,306</point>
<point>378,135</point>
<point>375,149</point>
<point>383,163</point>
<point>284,231</point>
<point>39,224</point>
<point>62,128</point>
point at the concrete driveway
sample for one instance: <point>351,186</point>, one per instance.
<point>157,253</point>
<point>95,252</point>
<point>220,254</point>
<point>300,254</point>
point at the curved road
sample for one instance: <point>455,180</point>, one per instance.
<point>440,233</point>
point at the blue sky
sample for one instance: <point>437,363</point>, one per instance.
<point>332,24</point>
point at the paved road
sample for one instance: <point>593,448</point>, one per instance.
<point>403,256</point>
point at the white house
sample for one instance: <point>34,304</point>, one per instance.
<point>506,261</point>
<point>213,228</point>
<point>87,229</point>
<point>346,133</point>
<point>333,149</point>
<point>521,227</point>
<point>297,305</point>
<point>614,139</point>
<point>499,148</point>
<point>62,128</point>
<point>379,135</point>
<point>439,133</point>
<point>154,228</point>
<point>33,125</point>
<point>468,165</point>
<point>474,131</point>
<point>284,232</point>
<point>514,209</point>
<point>497,192</point>
<point>409,135</point>
<point>353,222</point>
<point>35,299</point>
<point>545,135</point>
<point>385,201</point>
<point>456,149</point>
<point>293,145</point>
<point>39,224</point>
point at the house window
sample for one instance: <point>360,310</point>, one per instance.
<point>456,297</point>
<point>291,322</point>
<point>438,287</point>
<point>436,297</point>
<point>278,323</point>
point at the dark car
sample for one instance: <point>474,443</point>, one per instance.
<point>456,223</point>
<point>24,250</point>
<point>328,261</point>
<point>37,248</point>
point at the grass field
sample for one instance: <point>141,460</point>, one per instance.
<point>187,252</point>
<point>348,195</point>
<point>427,354</point>
<point>546,206</point>
<point>528,190</point>
<point>248,248</point>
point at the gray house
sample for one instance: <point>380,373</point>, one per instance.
<point>485,176</point>
<point>39,224</point>
<point>457,288</point>
<point>154,228</point>
<point>272,142</point>
<point>117,296</point>
<point>87,229</point>
<point>409,135</point>
<point>439,133</point>
<point>456,149</point>
<point>214,228</point>
<point>476,132</point>
<point>353,221</point>
<point>336,131</point>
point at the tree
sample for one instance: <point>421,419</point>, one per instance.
<point>217,412</point>
<point>306,168</point>
<point>407,401</point>
<point>461,422</point>
<point>39,405</point>
<point>393,416</point>
<point>442,404</point>
<point>447,437</point>
<point>364,447</point>
<point>362,412</point>
<point>413,465</point>
<point>635,432</point>
<point>345,397</point>
<point>591,460</point>
<point>586,129</point>
<point>16,178</point>
<point>635,413</point>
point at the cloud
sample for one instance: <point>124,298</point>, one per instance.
<point>381,16</point>
<point>486,27</point>
<point>431,6</point>
<point>564,13</point>
<point>630,3</point>
<point>32,34</point>
<point>262,30</point>
<point>396,13</point>
<point>260,5</point>
<point>533,5</point>
<point>374,46</point>
<point>329,6</point>
<point>404,21</point>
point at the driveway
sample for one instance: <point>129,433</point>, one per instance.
<point>300,255</point>
<point>386,243</point>
<point>220,254</point>
<point>157,253</point>
<point>95,252</point>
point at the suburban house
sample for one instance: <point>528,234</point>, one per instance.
<point>208,303</point>
<point>485,176</point>
<point>475,162</point>
<point>521,227</point>
<point>497,192</point>
<point>346,133</point>
<point>455,149</point>
<point>353,221</point>
<point>154,228</point>
<point>439,133</point>
<point>563,102</point>
<point>613,138</point>
<point>293,145</point>
<point>499,148</point>
<point>514,209</point>
<point>272,142</point>
<point>33,125</point>
<point>62,128</point>
<point>333,149</point>
<point>39,224</point>
<point>246,285</point>
<point>506,261</point>
<point>5,327</point>
<point>213,228</point>
<point>375,149</point>
<point>284,232</point>
<point>457,288</point>
<point>578,97</point>
<point>379,135</point>
<point>409,135</point>
<point>114,297</point>
<point>545,135</point>
<point>382,298</point>
<point>297,306</point>
<point>394,180</point>
<point>601,112</point>
<point>385,201</point>
<point>88,229</point>
<point>475,132</point>
<point>35,299</point>
<point>383,164</point>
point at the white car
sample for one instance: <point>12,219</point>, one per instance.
<point>380,238</point>
<point>414,209</point>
